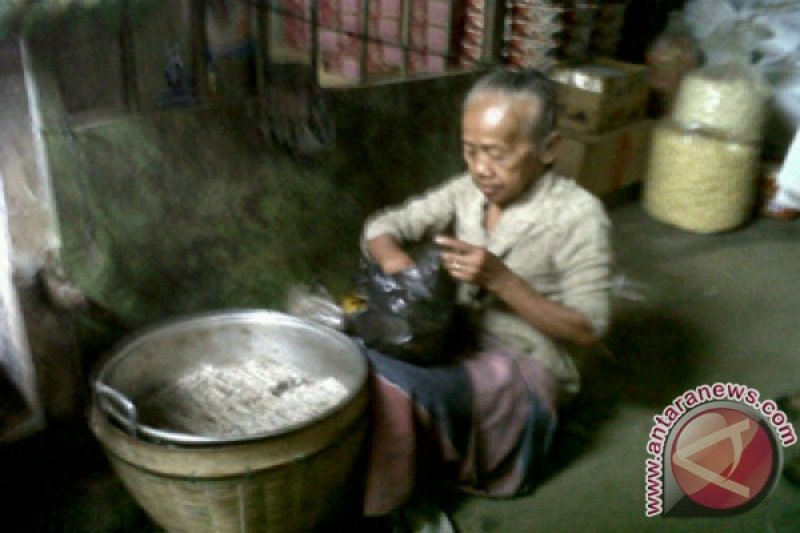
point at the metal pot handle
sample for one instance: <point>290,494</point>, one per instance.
<point>112,401</point>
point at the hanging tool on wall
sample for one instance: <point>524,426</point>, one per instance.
<point>178,80</point>
<point>296,111</point>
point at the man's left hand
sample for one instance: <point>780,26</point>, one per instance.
<point>473,264</point>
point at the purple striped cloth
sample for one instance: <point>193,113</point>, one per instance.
<point>484,424</point>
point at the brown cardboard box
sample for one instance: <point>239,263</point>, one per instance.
<point>600,95</point>
<point>605,162</point>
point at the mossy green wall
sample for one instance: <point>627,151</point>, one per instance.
<point>187,210</point>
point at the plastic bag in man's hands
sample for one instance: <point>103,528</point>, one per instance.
<point>409,314</point>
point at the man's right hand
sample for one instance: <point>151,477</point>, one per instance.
<point>388,254</point>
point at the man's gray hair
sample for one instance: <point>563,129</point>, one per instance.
<point>526,83</point>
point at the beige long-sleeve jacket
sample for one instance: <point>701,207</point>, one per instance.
<point>556,237</point>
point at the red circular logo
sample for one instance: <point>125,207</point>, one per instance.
<point>723,458</point>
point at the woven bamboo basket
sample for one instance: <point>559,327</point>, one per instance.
<point>699,182</point>
<point>303,479</point>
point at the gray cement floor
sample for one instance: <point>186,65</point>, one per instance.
<point>699,309</point>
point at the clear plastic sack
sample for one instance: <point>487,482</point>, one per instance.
<point>698,181</point>
<point>758,33</point>
<point>316,304</point>
<point>728,99</point>
<point>625,288</point>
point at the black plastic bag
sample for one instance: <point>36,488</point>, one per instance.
<point>409,314</point>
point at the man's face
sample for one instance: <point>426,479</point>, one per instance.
<point>501,157</point>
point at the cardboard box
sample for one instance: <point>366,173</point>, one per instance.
<point>601,95</point>
<point>606,162</point>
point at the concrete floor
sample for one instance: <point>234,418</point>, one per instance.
<point>692,310</point>
<point>715,308</point>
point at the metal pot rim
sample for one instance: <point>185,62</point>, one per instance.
<point>103,393</point>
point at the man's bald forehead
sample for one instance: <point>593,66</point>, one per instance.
<point>525,108</point>
<point>531,86</point>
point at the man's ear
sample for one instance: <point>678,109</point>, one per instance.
<point>551,148</point>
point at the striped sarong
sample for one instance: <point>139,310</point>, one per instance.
<point>484,424</point>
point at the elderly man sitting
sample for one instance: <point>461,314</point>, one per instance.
<point>531,253</point>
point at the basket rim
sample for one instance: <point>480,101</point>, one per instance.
<point>227,461</point>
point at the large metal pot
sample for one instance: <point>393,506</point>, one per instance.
<point>160,356</point>
<point>301,478</point>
